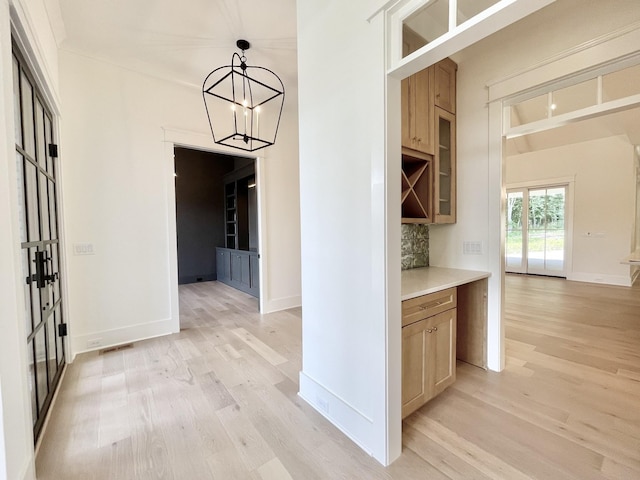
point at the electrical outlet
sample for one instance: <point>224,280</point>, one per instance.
<point>93,343</point>
<point>323,404</point>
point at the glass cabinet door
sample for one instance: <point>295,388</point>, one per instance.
<point>445,168</point>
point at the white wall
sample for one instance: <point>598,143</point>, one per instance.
<point>604,202</point>
<point>16,458</point>
<point>118,187</point>
<point>342,203</point>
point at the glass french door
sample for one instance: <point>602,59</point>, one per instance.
<point>536,231</point>
<point>37,169</point>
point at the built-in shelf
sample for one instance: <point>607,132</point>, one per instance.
<point>416,184</point>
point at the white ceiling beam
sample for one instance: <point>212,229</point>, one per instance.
<point>487,22</point>
<point>573,117</point>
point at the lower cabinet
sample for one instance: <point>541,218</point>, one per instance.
<point>223,264</point>
<point>238,269</point>
<point>428,357</point>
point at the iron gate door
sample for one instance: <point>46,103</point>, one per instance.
<point>37,169</point>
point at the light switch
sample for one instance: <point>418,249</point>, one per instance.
<point>83,249</point>
<point>472,248</point>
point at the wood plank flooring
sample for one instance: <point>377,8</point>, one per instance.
<point>219,399</point>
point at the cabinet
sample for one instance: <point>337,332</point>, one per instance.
<point>428,348</point>
<point>418,130</point>
<point>223,265</point>
<point>429,145</point>
<point>445,85</point>
<point>239,269</point>
<point>444,170</point>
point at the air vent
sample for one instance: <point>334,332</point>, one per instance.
<point>116,348</point>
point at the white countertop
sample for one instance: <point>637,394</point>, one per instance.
<point>421,281</point>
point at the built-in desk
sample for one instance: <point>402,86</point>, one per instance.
<point>421,281</point>
<point>444,318</point>
<point>471,290</point>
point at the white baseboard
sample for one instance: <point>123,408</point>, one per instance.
<point>277,304</point>
<point>29,470</point>
<point>620,280</point>
<point>345,417</point>
<point>118,336</point>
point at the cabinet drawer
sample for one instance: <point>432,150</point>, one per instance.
<point>428,305</point>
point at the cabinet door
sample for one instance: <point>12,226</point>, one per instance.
<point>406,111</point>
<point>441,368</point>
<point>255,272</point>
<point>417,112</point>
<point>445,85</point>
<point>245,270</point>
<point>428,359</point>
<point>414,375</point>
<point>423,133</point>
<point>444,202</point>
<point>236,267</point>
<point>223,266</point>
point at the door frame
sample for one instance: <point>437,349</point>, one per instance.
<point>615,49</point>
<point>569,183</point>
<point>200,141</point>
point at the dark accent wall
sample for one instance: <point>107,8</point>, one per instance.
<point>199,212</point>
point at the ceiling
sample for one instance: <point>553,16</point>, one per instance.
<point>180,41</point>
<point>625,123</point>
<point>184,41</point>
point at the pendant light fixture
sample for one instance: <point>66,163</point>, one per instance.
<point>243,103</point>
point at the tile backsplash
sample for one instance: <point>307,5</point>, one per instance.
<point>415,245</point>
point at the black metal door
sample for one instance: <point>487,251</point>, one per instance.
<point>37,168</point>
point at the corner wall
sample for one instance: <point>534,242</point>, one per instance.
<point>343,220</point>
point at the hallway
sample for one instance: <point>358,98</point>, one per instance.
<point>219,399</point>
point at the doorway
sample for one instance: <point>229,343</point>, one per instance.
<point>37,169</point>
<point>537,231</point>
<point>217,219</point>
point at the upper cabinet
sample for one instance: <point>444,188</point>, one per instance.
<point>444,190</point>
<point>445,85</point>
<point>418,130</point>
<point>428,140</point>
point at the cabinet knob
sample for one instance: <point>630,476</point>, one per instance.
<point>428,330</point>
<point>435,329</point>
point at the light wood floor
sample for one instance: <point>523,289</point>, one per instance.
<point>218,400</point>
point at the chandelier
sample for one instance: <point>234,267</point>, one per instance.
<point>243,103</point>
